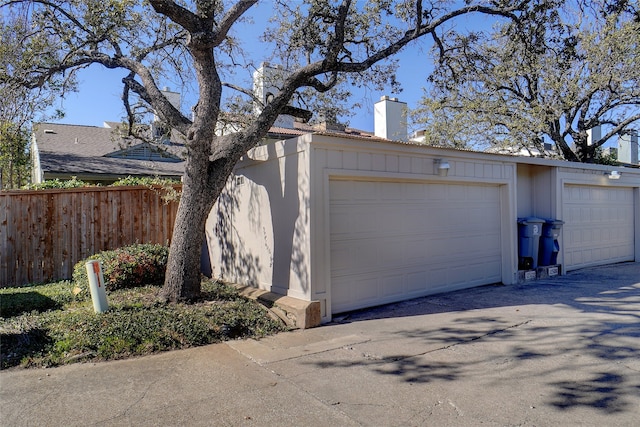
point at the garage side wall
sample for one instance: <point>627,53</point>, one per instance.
<point>536,191</point>
<point>257,232</point>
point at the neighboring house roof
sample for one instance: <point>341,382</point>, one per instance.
<point>300,128</point>
<point>67,150</point>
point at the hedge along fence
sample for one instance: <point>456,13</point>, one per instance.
<point>44,233</point>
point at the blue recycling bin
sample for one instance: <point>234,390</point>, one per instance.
<point>529,232</point>
<point>549,246</point>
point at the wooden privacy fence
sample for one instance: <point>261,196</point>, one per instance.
<point>44,233</point>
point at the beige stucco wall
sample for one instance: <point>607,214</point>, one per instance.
<point>535,189</point>
<point>258,230</point>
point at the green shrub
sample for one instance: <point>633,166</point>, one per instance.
<point>165,187</point>
<point>144,180</point>
<point>127,267</point>
<point>215,290</point>
<point>74,182</point>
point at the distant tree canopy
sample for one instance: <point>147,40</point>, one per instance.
<point>14,157</point>
<point>548,77</point>
<point>20,105</point>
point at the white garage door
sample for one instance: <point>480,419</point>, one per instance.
<point>392,241</point>
<point>598,225</point>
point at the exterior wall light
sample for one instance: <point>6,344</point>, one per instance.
<point>441,167</point>
<point>613,175</point>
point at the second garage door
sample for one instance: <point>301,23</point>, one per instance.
<point>599,225</point>
<point>398,240</point>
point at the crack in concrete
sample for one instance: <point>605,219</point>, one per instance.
<point>44,398</point>
<point>467,341</point>
<point>335,405</point>
<point>124,413</point>
<point>631,369</point>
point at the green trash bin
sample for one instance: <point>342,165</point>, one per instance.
<point>529,232</point>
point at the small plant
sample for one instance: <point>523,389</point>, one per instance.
<point>127,267</point>
<point>163,186</point>
<point>74,182</point>
<point>144,180</point>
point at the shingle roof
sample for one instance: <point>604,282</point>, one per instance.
<point>84,141</point>
<point>74,164</point>
<point>78,149</point>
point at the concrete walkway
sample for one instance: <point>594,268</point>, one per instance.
<point>564,351</point>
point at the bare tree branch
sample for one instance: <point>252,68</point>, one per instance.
<point>230,18</point>
<point>178,14</point>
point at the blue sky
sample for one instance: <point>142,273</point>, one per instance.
<point>98,98</point>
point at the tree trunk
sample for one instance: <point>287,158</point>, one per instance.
<point>11,174</point>
<point>200,191</point>
<point>584,152</point>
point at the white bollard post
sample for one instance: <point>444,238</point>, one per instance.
<point>96,285</point>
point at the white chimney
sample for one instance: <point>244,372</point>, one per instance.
<point>266,84</point>
<point>390,119</point>
<point>594,135</point>
<point>628,147</point>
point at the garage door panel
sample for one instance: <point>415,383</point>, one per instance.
<point>437,193</point>
<point>415,251</point>
<point>366,191</point>
<point>414,218</point>
<point>342,223</point>
<point>599,225</point>
<point>427,238</point>
<point>359,288</point>
<point>413,193</point>
<point>416,282</point>
<point>438,278</point>
<point>390,288</point>
<point>340,257</point>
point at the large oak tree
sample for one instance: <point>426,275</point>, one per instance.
<point>551,76</point>
<point>319,44</point>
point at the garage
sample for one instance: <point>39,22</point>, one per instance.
<point>343,222</point>
<point>394,240</point>
<point>599,225</point>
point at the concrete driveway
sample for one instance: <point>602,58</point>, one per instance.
<point>563,351</point>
